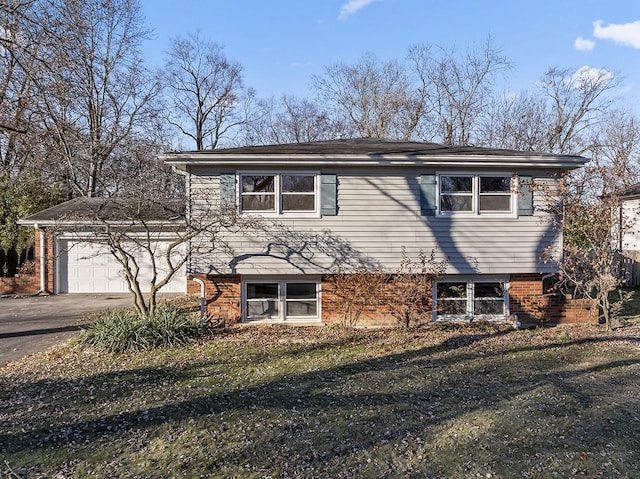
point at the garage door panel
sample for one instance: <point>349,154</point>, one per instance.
<point>89,268</point>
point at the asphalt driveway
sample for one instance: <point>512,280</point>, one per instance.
<point>33,324</point>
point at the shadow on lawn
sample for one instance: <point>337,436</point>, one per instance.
<point>36,332</point>
<point>413,392</point>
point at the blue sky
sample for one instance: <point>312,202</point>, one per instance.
<point>282,43</point>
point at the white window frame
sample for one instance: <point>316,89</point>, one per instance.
<point>470,299</point>
<point>282,299</point>
<point>278,211</point>
<point>475,194</point>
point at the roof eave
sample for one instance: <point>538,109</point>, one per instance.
<point>184,160</point>
<point>76,223</point>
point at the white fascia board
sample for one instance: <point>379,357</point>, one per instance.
<point>61,224</point>
<point>92,237</point>
<point>185,160</point>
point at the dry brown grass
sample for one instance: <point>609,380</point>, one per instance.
<point>445,401</point>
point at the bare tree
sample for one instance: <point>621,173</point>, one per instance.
<point>354,291</point>
<point>615,151</point>
<point>135,168</point>
<point>26,182</point>
<point>371,97</point>
<point>152,239</point>
<point>95,90</point>
<point>290,120</point>
<point>205,90</point>
<point>20,118</point>
<point>577,101</point>
<point>564,114</point>
<point>454,90</point>
<point>518,122</point>
<point>409,289</point>
<point>589,263</point>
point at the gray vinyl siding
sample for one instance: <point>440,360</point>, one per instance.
<point>378,214</point>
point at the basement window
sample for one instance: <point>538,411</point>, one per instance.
<point>283,300</point>
<point>470,299</point>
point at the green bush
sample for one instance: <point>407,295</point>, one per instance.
<point>120,331</point>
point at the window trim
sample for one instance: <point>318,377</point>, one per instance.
<point>469,314</point>
<point>277,192</point>
<point>246,299</point>
<point>282,300</point>
<point>476,194</point>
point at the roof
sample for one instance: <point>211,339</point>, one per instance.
<point>370,151</point>
<point>127,210</point>
<point>631,192</point>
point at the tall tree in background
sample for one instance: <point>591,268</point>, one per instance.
<point>26,184</point>
<point>95,91</point>
<point>615,151</point>
<point>518,122</point>
<point>76,103</point>
<point>577,100</point>
<point>436,95</point>
<point>456,89</point>
<point>371,98</point>
<point>205,90</point>
<point>290,120</point>
<point>562,115</point>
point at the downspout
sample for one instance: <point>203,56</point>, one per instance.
<point>43,262</point>
<point>203,299</point>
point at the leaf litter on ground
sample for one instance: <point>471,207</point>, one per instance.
<point>477,400</point>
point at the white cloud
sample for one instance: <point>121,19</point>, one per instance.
<point>584,44</point>
<point>585,76</point>
<point>625,33</point>
<point>352,6</point>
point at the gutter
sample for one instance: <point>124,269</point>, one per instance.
<point>183,164</point>
<point>182,160</point>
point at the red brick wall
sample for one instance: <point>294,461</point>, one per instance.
<point>223,294</point>
<point>375,315</point>
<point>526,300</point>
<point>529,302</point>
<point>29,283</point>
<point>21,284</point>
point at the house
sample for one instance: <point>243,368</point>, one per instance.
<point>626,233</point>
<point>361,202</point>
<point>351,204</point>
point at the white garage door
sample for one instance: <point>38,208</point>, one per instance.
<point>89,268</point>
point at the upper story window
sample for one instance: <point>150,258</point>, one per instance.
<point>279,193</point>
<point>476,194</point>
<point>258,192</point>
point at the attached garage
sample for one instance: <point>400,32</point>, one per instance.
<point>73,238</point>
<point>85,267</point>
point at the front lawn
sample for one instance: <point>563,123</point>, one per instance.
<point>447,401</point>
